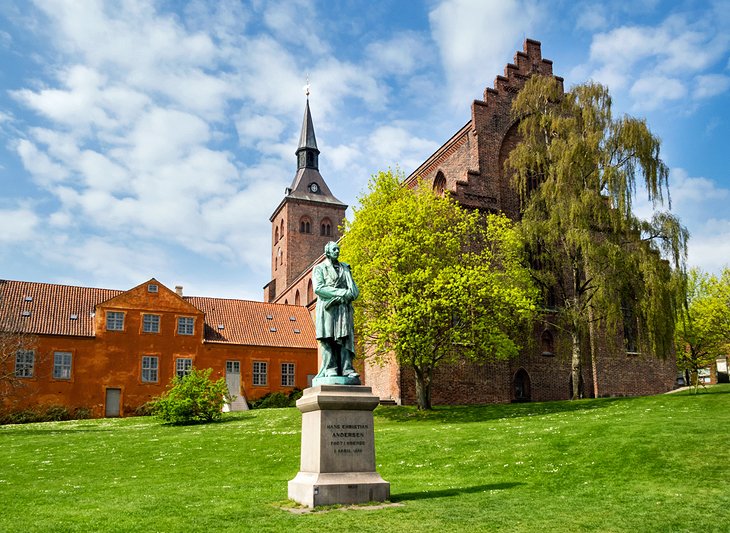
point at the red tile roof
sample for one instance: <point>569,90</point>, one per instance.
<point>48,309</point>
<point>247,322</point>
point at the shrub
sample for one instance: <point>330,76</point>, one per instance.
<point>277,399</point>
<point>192,398</point>
<point>146,409</point>
<point>24,416</point>
<point>82,413</point>
<point>49,413</point>
<point>56,413</point>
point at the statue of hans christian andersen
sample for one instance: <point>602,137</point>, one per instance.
<point>335,290</point>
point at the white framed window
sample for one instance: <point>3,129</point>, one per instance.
<point>114,321</point>
<point>152,288</point>
<point>233,367</point>
<point>62,365</point>
<point>151,323</point>
<point>183,365</point>
<point>24,363</point>
<point>185,325</point>
<point>287,374</point>
<point>150,364</point>
<point>260,373</point>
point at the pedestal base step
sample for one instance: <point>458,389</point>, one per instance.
<point>313,489</point>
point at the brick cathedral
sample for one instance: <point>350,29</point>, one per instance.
<point>470,165</point>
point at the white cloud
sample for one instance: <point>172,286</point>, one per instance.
<point>254,128</point>
<point>336,80</point>
<point>475,37</point>
<point>163,135</point>
<point>592,16</point>
<point>651,92</point>
<point>693,198</point>
<point>398,146</point>
<point>709,248</point>
<point>651,61</point>
<point>75,106</point>
<point>401,55</point>
<point>710,85</point>
<point>110,262</point>
<point>19,225</point>
<point>295,22</point>
<point>38,164</point>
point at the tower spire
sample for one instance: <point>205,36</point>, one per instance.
<point>307,153</point>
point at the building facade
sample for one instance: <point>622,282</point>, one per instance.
<point>470,166</point>
<point>112,351</point>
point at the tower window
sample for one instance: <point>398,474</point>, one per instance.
<point>325,227</point>
<point>305,225</point>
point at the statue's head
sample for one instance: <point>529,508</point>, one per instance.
<point>332,250</point>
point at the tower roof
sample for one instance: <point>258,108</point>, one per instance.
<point>307,140</point>
<point>308,183</point>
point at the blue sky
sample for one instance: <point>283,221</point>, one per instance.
<point>155,139</point>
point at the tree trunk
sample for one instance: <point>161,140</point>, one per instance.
<point>423,388</point>
<point>575,335</point>
<point>592,335</point>
<point>576,365</point>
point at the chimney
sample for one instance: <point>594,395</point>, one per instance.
<point>178,290</point>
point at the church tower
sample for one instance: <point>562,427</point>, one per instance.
<point>307,218</point>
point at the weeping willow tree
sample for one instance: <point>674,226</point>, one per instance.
<point>577,170</point>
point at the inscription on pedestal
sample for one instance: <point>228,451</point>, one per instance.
<point>347,438</point>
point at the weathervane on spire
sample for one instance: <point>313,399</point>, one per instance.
<point>306,87</point>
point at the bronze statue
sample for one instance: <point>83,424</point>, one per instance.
<point>335,290</point>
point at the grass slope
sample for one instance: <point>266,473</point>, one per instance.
<point>631,464</point>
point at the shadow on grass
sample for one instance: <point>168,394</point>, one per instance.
<point>481,413</point>
<point>448,493</point>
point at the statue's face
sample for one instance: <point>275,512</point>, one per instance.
<point>333,252</point>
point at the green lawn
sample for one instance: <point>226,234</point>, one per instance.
<point>630,464</point>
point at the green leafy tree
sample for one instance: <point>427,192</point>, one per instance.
<point>437,282</point>
<point>703,329</point>
<point>192,398</point>
<point>577,170</point>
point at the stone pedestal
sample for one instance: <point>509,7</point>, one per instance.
<point>338,448</point>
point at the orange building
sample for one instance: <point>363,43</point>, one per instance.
<point>112,351</point>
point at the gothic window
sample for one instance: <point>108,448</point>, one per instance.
<point>281,229</point>
<point>547,343</point>
<point>305,225</point>
<point>521,385</point>
<point>310,291</point>
<point>325,227</point>
<point>631,330</point>
<point>296,298</point>
<point>276,234</point>
<point>439,184</point>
